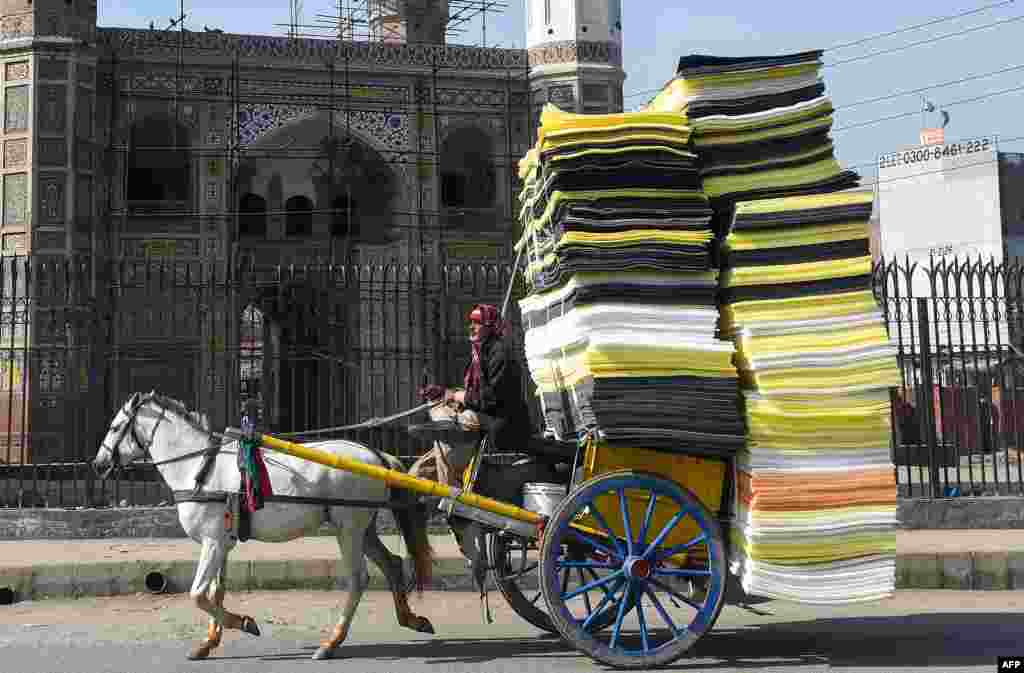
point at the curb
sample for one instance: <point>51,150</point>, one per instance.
<point>121,578</point>
<point>967,571</point>
<point>989,571</point>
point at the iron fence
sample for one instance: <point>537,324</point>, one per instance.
<point>316,345</point>
<point>957,415</point>
<point>325,345</point>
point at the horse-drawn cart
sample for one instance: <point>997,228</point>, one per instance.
<point>631,562</point>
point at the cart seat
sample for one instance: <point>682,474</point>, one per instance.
<point>553,449</point>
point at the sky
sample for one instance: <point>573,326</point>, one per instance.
<point>657,32</point>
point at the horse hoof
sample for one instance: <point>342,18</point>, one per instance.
<point>250,627</point>
<point>201,652</point>
<point>424,626</point>
<point>323,653</point>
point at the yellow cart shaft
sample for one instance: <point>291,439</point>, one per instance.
<point>399,479</point>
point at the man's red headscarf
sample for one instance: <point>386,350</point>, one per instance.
<point>491,324</point>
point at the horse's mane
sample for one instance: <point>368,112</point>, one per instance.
<point>181,408</point>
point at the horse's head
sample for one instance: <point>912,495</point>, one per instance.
<point>122,445</point>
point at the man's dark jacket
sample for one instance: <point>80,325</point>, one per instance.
<point>501,383</point>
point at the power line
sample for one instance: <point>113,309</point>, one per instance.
<point>930,40</point>
<point>951,17</point>
<point>962,80</point>
<point>902,115</point>
<point>878,36</point>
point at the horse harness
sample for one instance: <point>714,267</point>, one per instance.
<point>210,455</point>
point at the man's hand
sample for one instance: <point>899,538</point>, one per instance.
<point>455,398</point>
<point>432,392</point>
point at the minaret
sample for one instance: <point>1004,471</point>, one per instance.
<point>407,21</point>
<point>49,152</point>
<point>575,49</point>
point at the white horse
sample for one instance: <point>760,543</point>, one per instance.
<point>174,438</point>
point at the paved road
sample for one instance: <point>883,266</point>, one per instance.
<point>914,631</point>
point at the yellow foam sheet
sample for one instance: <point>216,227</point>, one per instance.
<point>633,362</point>
<point>739,124</point>
<point>766,164</point>
<point>779,274</point>
<point>790,237</point>
<point>786,204</point>
<point>756,135</point>
<point>596,195</point>
<point>819,341</point>
<point>802,552</point>
<point>676,93</point>
<point>719,185</point>
<point>797,308</point>
<point>634,236</point>
<point>873,373</point>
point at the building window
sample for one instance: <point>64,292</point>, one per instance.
<point>468,177</point>
<point>252,216</point>
<point>343,218</point>
<point>298,216</point>
<point>158,165</point>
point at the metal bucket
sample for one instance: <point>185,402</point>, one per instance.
<point>543,498</point>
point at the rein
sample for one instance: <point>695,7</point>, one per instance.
<point>211,452</point>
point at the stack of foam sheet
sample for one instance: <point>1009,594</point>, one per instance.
<point>760,126</point>
<point>621,315</point>
<point>816,487</point>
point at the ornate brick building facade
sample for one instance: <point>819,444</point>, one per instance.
<point>197,150</point>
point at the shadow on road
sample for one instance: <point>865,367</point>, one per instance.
<point>917,641</point>
<point>934,640</point>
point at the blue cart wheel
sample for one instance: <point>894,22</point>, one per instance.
<point>657,561</point>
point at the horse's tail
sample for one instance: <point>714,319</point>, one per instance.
<point>411,517</point>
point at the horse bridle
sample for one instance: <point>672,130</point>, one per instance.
<point>129,423</point>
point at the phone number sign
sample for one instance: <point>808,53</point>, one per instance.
<point>937,153</point>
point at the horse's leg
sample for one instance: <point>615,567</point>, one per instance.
<point>351,525</point>
<point>216,629</point>
<point>212,561</point>
<point>391,566</point>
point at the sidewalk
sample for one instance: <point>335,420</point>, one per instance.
<point>926,559</point>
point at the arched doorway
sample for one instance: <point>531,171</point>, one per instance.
<point>336,201</point>
<point>252,217</point>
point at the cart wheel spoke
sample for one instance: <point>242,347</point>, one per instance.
<point>642,538</point>
<point>680,548</point>
<point>586,564</point>
<point>608,529</point>
<point>617,629</point>
<point>519,573</point>
<point>682,572</point>
<point>631,577</point>
<point>586,539</point>
<point>676,595</point>
<point>586,596</point>
<point>566,595</point>
<point>624,507</point>
<point>642,620</point>
<point>603,606</point>
<point>533,601</point>
<point>663,533</point>
<point>661,611</point>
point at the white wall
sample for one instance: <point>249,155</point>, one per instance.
<point>942,202</point>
